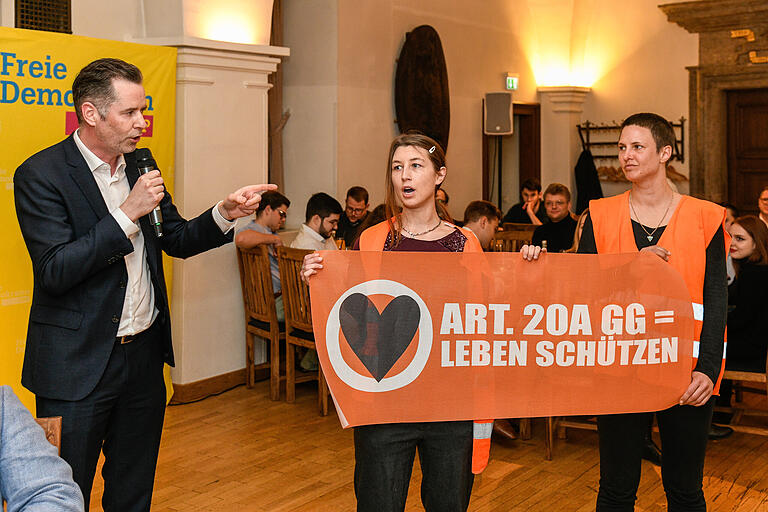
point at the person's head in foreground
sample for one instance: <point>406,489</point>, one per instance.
<point>645,147</point>
<point>415,170</point>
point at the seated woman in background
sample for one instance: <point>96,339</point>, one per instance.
<point>747,302</point>
<point>731,212</point>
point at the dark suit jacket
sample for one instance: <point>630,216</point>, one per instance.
<point>80,277</point>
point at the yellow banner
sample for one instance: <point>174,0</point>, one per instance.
<point>36,111</point>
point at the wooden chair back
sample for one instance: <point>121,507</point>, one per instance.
<point>52,428</point>
<point>740,377</point>
<point>260,314</point>
<point>513,237</point>
<point>298,323</point>
<point>298,311</point>
<point>256,284</point>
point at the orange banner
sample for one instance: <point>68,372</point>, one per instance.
<point>409,337</point>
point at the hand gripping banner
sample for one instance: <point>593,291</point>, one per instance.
<point>411,337</point>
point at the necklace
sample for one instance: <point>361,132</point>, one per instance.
<point>649,234</point>
<point>439,222</point>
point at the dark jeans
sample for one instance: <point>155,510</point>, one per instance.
<point>384,459</point>
<point>683,431</point>
<point>124,417</point>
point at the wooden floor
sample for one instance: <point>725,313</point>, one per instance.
<point>242,452</point>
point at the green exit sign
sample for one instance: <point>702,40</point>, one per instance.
<point>512,82</point>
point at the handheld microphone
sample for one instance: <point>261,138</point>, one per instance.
<point>146,163</point>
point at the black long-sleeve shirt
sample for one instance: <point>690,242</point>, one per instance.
<point>715,292</point>
<point>748,300</point>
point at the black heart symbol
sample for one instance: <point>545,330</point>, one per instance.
<point>379,340</point>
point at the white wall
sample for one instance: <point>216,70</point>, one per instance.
<point>642,67</point>
<point>628,53</point>
<point>7,13</point>
<point>481,43</point>
<point>310,92</point>
<point>117,20</point>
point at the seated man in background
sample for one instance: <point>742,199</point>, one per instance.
<point>355,212</point>
<point>322,216</point>
<point>482,217</point>
<point>528,210</point>
<point>268,219</point>
<point>558,232</point>
<point>32,475</point>
<point>762,205</point>
<point>322,219</point>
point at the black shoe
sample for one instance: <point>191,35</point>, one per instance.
<point>718,432</point>
<point>651,452</point>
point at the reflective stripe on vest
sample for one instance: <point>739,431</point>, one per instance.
<point>696,349</point>
<point>481,444</point>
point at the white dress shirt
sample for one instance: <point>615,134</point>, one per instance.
<point>139,309</point>
<point>308,238</point>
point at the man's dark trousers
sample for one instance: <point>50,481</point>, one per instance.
<point>126,411</point>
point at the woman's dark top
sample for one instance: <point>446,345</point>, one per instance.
<point>748,318</point>
<point>715,285</point>
<point>452,242</point>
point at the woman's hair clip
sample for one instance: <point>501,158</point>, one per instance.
<point>431,150</point>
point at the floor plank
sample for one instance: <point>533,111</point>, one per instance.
<point>241,451</point>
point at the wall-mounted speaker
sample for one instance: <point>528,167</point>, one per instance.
<point>497,113</point>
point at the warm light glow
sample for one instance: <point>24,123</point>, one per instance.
<point>563,45</point>
<point>551,76</point>
<point>230,27</point>
<point>234,21</point>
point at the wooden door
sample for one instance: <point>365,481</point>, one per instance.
<point>747,147</point>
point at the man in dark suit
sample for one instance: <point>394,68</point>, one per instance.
<point>99,327</point>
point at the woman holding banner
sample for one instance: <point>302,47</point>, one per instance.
<point>384,453</point>
<point>688,234</point>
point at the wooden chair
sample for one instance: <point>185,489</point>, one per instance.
<point>260,315</point>
<point>298,323</point>
<point>739,377</point>
<point>559,424</point>
<point>52,428</point>
<point>513,237</point>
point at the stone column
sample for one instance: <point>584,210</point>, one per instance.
<point>561,109</point>
<point>221,145</point>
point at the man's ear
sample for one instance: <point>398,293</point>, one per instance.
<point>483,222</point>
<point>89,112</point>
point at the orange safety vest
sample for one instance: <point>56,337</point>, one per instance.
<point>373,239</point>
<point>687,236</point>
